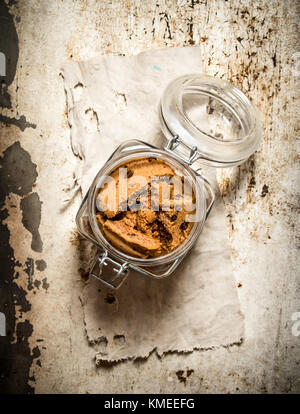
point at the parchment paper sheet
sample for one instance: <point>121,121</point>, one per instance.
<point>112,99</point>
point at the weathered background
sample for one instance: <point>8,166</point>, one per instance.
<point>254,44</point>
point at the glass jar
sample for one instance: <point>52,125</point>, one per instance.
<point>206,121</point>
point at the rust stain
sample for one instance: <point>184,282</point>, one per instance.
<point>264,190</point>
<point>75,238</point>
<point>183,376</point>
<point>224,186</point>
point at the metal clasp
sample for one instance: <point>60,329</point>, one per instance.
<point>174,142</point>
<point>113,281</point>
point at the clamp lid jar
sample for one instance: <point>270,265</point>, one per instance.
<point>206,121</point>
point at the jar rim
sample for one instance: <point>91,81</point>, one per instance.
<point>182,249</point>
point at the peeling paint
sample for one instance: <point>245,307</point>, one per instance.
<point>264,190</point>
<point>41,265</point>
<point>36,353</point>
<point>31,219</point>
<point>182,376</point>
<point>20,123</point>
<point>45,284</point>
<point>9,46</point>
<point>29,269</point>
<point>17,175</point>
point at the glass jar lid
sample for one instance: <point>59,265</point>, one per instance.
<point>213,119</point>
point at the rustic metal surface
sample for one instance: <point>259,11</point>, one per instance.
<point>254,45</point>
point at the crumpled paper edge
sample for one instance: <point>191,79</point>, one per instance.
<point>101,361</point>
